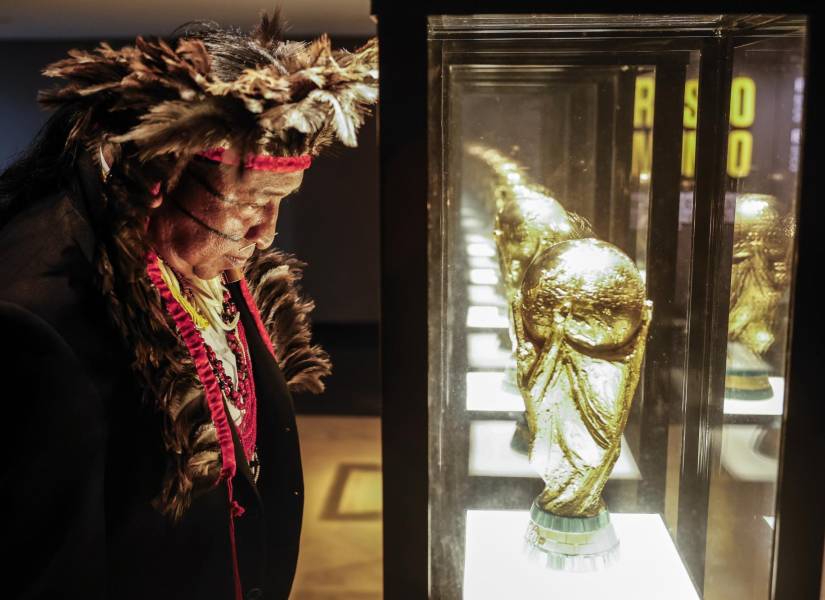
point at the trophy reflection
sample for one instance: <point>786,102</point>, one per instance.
<point>579,321</point>
<point>528,219</point>
<point>759,277</point>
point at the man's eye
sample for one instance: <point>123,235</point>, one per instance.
<point>270,199</point>
<point>254,206</point>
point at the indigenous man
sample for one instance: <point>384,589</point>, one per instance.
<point>151,337</point>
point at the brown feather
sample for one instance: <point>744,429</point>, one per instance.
<point>172,90</point>
<point>274,281</point>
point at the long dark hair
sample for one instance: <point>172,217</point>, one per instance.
<point>44,168</point>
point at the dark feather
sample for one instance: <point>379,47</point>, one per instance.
<point>173,90</point>
<point>274,281</point>
<point>270,30</point>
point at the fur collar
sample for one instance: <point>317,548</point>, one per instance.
<point>273,280</point>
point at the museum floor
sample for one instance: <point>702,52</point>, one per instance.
<point>341,541</point>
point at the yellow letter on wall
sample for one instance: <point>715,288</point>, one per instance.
<point>691,103</point>
<point>742,102</point>
<point>740,148</point>
<point>643,104</point>
<point>641,156</point>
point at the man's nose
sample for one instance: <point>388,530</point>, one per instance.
<point>263,233</point>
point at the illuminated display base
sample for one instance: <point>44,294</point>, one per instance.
<point>487,317</point>
<point>491,391</point>
<point>769,407</point>
<point>485,351</point>
<point>497,566</point>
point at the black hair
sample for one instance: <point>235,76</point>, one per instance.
<point>230,49</point>
<point>44,168</point>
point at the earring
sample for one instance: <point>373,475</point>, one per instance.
<point>105,169</point>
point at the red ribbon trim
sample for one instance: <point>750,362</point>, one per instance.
<point>214,399</point>
<point>259,162</point>
<point>235,510</point>
<point>249,429</point>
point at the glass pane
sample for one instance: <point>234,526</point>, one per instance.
<point>762,169</point>
<point>565,435</point>
<point>550,158</point>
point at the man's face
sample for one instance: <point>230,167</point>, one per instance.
<point>213,221</point>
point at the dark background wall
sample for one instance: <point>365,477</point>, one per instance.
<point>331,223</point>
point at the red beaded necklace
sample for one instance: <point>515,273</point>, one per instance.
<point>241,396</point>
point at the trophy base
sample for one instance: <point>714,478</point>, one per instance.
<point>746,374</point>
<point>767,441</point>
<point>747,387</point>
<point>571,543</point>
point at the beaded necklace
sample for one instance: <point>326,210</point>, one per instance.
<point>241,396</point>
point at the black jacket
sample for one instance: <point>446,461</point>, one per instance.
<point>83,455</point>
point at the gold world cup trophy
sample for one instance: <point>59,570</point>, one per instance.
<point>579,321</point>
<point>759,276</point>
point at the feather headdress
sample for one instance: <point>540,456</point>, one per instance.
<point>172,102</point>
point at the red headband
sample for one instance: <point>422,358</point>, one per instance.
<point>256,162</point>
<point>259,162</point>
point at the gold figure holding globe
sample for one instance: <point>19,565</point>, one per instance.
<point>581,322</point>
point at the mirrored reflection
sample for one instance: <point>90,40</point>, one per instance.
<point>762,180</point>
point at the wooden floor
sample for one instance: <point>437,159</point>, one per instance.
<point>341,549</point>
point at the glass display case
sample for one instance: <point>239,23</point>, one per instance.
<point>587,327</point>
